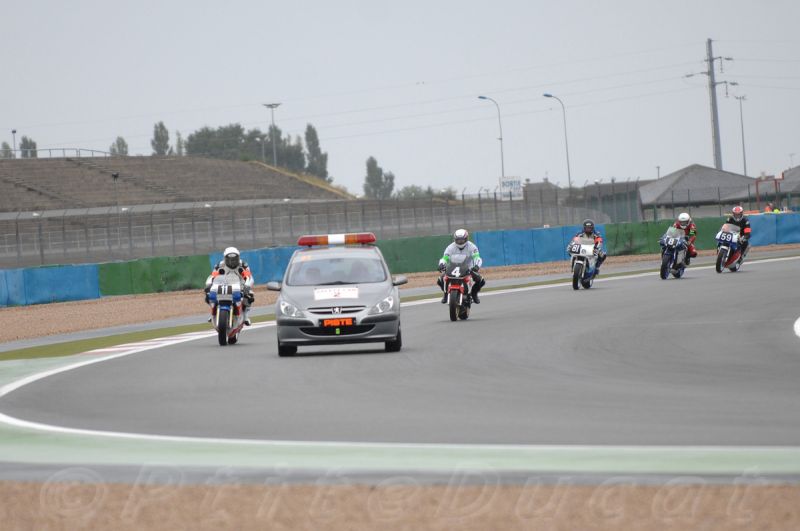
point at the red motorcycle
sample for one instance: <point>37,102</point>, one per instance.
<point>457,284</point>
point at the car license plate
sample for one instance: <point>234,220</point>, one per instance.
<point>337,322</point>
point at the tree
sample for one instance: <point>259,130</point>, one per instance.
<point>411,192</point>
<point>28,148</point>
<point>119,147</point>
<point>160,142</point>
<point>179,149</point>
<point>317,160</point>
<point>377,184</point>
<point>5,151</point>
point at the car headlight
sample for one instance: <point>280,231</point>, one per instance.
<point>289,310</point>
<point>382,307</point>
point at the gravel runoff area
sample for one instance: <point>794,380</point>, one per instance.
<point>41,320</point>
<point>400,504</point>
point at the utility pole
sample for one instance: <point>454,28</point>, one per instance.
<point>271,107</point>
<point>741,123</point>
<point>712,92</point>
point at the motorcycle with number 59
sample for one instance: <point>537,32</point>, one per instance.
<point>729,248</point>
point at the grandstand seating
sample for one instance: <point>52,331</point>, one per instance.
<point>60,183</point>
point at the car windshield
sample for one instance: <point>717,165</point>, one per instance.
<point>728,227</point>
<point>674,232</point>
<point>335,271</point>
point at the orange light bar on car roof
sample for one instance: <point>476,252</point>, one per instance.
<point>336,239</point>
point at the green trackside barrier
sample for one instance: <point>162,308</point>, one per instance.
<point>414,255</point>
<point>642,238</point>
<point>153,275</point>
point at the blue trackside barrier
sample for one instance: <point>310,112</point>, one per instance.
<point>15,287</point>
<point>63,283</point>
<point>548,245</point>
<point>276,260</point>
<point>3,289</point>
<point>518,247</point>
<point>787,227</point>
<point>764,229</point>
<point>490,245</point>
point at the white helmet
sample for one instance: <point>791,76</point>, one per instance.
<point>232,259</point>
<point>460,237</point>
<point>684,219</point>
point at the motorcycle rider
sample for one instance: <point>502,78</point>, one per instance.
<point>462,245</point>
<point>685,223</point>
<point>589,232</point>
<point>738,218</point>
<point>232,261</point>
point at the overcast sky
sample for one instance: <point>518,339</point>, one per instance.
<point>399,81</point>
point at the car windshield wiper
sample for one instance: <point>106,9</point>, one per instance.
<point>336,283</point>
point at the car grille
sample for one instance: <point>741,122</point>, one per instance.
<point>343,331</point>
<point>329,310</point>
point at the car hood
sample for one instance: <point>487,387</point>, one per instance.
<point>337,295</point>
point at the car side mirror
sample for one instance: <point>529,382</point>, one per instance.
<point>274,286</point>
<point>399,280</point>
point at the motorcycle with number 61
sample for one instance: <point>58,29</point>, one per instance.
<point>227,311</point>
<point>583,262</point>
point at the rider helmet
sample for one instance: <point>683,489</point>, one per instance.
<point>588,227</point>
<point>684,220</point>
<point>460,237</point>
<point>738,213</point>
<point>232,259</point>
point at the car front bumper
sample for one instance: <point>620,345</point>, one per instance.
<point>368,329</point>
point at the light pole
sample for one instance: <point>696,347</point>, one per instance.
<point>14,140</point>
<point>566,142</point>
<point>271,107</point>
<point>500,123</point>
<point>741,122</point>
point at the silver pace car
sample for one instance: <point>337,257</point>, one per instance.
<point>337,290</point>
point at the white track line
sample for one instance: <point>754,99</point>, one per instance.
<point>162,342</point>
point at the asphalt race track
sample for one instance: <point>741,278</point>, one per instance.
<point>706,360</point>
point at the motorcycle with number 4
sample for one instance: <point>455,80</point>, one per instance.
<point>583,261</point>
<point>457,284</point>
<point>227,311</point>
<point>729,248</point>
<point>673,253</point>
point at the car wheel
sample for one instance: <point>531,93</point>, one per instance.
<point>396,344</point>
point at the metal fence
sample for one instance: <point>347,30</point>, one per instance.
<point>111,233</point>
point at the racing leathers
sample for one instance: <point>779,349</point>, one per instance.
<point>473,262</point>
<point>690,233</point>
<point>598,247</point>
<point>246,279</point>
<point>744,227</point>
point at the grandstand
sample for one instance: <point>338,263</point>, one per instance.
<point>85,182</point>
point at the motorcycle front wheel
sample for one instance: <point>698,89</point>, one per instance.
<point>453,307</point>
<point>222,329</point>
<point>576,276</point>
<point>721,258</point>
<point>665,258</point>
